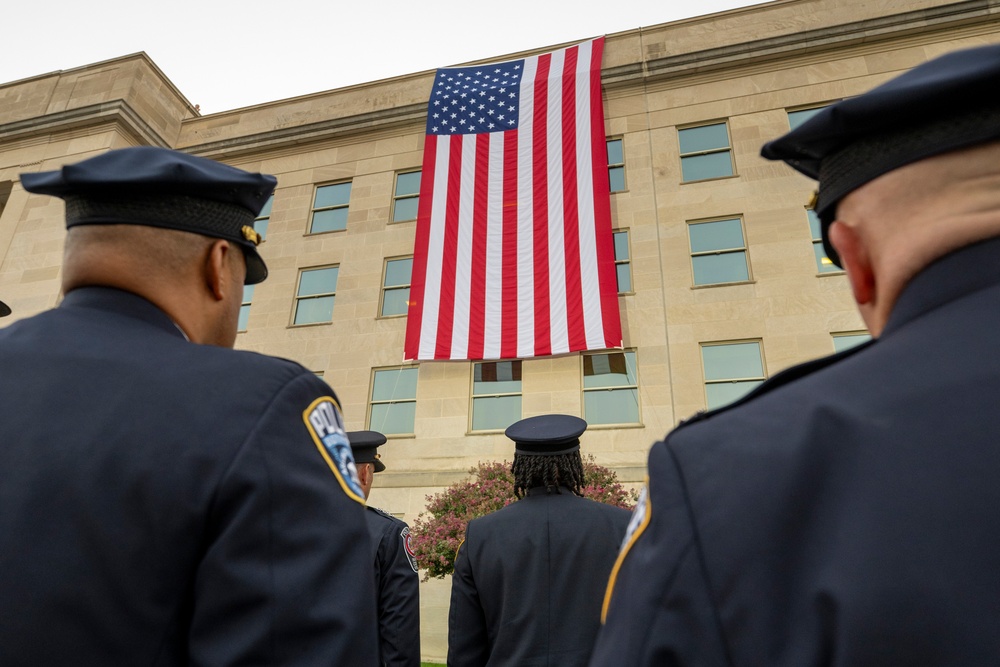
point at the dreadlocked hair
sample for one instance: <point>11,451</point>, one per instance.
<point>548,471</point>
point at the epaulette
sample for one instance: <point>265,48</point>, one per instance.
<point>784,377</point>
<point>382,512</point>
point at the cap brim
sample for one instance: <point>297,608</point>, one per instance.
<point>256,269</point>
<point>4,309</point>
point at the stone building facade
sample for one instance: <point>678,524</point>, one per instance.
<point>722,280</point>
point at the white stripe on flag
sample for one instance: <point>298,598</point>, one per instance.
<point>435,254</point>
<point>559,335</point>
<point>526,214</point>
<point>494,250</point>
<point>593,322</point>
<point>463,266</point>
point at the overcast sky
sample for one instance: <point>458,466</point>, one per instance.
<point>225,54</point>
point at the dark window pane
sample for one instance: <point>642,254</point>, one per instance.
<point>318,281</point>
<point>405,209</point>
<point>314,309</point>
<point>331,220</point>
<point>614,369</point>
<point>846,342</point>
<point>823,263</point>
<point>495,412</point>
<point>621,246</point>
<point>408,183</point>
<point>624,278</point>
<point>395,384</point>
<point>718,395</point>
<point>616,179</point>
<point>704,138</point>
<point>796,118</point>
<point>395,301</point>
<point>701,167</point>
<point>333,195</point>
<point>615,155</point>
<point>397,272</point>
<point>718,235</point>
<point>732,361</point>
<point>730,267</point>
<point>393,418</point>
<point>618,406</point>
<point>241,325</point>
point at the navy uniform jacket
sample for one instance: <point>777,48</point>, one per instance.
<point>397,584</point>
<point>845,513</point>
<point>529,580</point>
<point>166,503</point>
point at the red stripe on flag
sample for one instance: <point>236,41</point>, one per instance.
<point>540,199</point>
<point>446,308</point>
<point>606,272</point>
<point>508,328</point>
<point>418,276</point>
<point>477,303</point>
<point>571,211</point>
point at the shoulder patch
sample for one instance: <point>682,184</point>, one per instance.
<point>379,510</point>
<point>326,426</point>
<point>404,535</point>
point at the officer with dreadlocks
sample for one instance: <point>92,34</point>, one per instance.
<point>530,578</point>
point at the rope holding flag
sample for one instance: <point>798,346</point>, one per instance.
<point>514,254</point>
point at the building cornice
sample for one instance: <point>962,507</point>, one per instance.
<point>808,42</point>
<point>115,112</point>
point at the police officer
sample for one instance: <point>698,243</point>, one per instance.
<point>847,512</point>
<point>164,499</point>
<point>529,578</point>
<point>396,582</point>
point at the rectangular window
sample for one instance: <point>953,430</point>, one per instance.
<point>796,118</point>
<point>623,262</point>
<point>845,341</point>
<point>496,395</point>
<point>245,307</point>
<point>718,252</point>
<point>396,287</point>
<point>731,370</point>
<point>610,388</point>
<point>329,212</point>
<point>705,152</point>
<point>616,165</point>
<point>823,263</point>
<point>393,406</point>
<point>406,197</point>
<point>263,218</point>
<point>315,295</point>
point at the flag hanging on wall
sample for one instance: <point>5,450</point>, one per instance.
<point>514,253</point>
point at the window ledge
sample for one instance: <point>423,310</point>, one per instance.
<point>841,272</point>
<point>742,282</point>
<point>709,180</point>
<point>309,324</point>
<point>329,231</point>
<point>591,427</point>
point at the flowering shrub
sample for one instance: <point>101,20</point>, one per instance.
<point>437,533</point>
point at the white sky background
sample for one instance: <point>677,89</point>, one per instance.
<point>226,54</point>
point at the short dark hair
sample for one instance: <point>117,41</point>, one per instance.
<point>548,471</point>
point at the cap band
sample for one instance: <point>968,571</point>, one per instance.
<point>519,449</point>
<point>208,218</point>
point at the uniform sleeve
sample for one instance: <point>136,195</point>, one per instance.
<point>286,575</point>
<point>399,599</point>
<point>468,642</point>
<point>661,611</point>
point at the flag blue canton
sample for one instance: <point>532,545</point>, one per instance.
<point>470,100</point>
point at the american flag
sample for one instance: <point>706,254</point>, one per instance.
<point>514,254</point>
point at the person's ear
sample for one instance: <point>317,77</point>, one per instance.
<point>855,259</point>
<point>217,277</point>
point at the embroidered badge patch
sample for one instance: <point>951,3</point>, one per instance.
<point>326,426</point>
<point>410,556</point>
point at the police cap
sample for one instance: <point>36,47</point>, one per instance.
<point>365,446</point>
<point>546,435</point>
<point>158,187</point>
<point>945,104</point>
